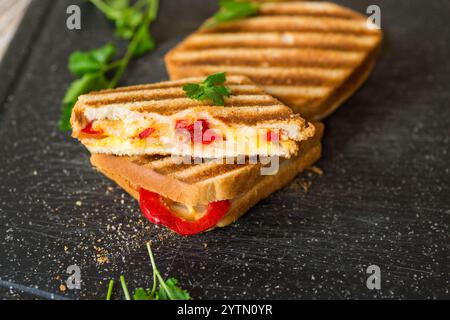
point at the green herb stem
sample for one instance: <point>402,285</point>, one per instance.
<point>149,17</point>
<point>110,289</point>
<point>113,65</point>
<point>125,288</point>
<point>156,272</point>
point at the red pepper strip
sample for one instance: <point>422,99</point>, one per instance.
<point>154,210</point>
<point>275,135</point>
<point>190,126</point>
<point>147,132</point>
<point>89,130</point>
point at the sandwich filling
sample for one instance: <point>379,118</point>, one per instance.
<point>185,134</point>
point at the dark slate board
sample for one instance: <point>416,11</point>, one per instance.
<point>384,198</point>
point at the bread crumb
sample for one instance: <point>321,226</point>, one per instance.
<point>78,203</point>
<point>205,245</point>
<point>102,260</point>
<point>101,255</point>
<point>62,288</point>
<point>316,170</point>
<point>306,185</point>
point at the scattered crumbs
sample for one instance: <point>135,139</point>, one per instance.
<point>102,260</point>
<point>66,248</point>
<point>62,288</point>
<point>306,185</point>
<point>316,170</point>
<point>35,173</point>
<point>101,255</point>
<point>78,203</point>
<point>205,245</point>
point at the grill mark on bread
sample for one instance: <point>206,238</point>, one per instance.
<point>278,40</point>
<point>296,24</point>
<point>231,116</point>
<point>170,93</point>
<point>286,57</point>
<point>149,102</point>
<point>199,173</point>
<point>272,75</point>
<point>310,9</point>
<point>188,173</point>
<point>145,107</point>
<point>231,81</point>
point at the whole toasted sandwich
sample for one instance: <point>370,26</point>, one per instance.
<point>191,117</point>
<point>192,198</point>
<point>310,55</point>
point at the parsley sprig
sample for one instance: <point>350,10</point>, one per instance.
<point>231,10</point>
<point>161,289</point>
<point>96,69</point>
<point>210,89</point>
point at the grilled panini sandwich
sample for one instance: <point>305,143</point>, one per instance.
<point>160,119</point>
<point>310,55</point>
<point>193,198</point>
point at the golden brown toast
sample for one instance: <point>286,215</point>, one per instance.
<point>120,115</point>
<point>199,184</point>
<point>310,55</point>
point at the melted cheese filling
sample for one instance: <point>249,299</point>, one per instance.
<point>123,138</point>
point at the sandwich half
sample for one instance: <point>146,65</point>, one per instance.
<point>312,56</point>
<point>159,119</point>
<point>193,198</point>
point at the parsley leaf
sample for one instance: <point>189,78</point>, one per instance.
<point>142,294</point>
<point>81,63</point>
<point>231,10</point>
<point>210,89</point>
<point>176,293</point>
<point>216,79</point>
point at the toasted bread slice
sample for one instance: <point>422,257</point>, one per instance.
<point>117,119</point>
<point>193,186</point>
<point>310,55</point>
